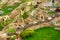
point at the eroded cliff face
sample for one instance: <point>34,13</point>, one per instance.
<point>35,16</point>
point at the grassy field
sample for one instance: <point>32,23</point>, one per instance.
<point>45,34</point>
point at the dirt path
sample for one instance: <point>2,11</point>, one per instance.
<point>15,12</point>
<point>44,24</point>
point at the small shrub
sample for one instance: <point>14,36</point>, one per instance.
<point>7,22</point>
<point>25,15</point>
<point>10,30</point>
<point>1,26</point>
<point>42,8</point>
<point>26,33</point>
<point>12,37</point>
<point>51,12</point>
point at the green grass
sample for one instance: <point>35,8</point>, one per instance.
<point>50,12</point>
<point>45,34</point>
<point>5,8</point>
